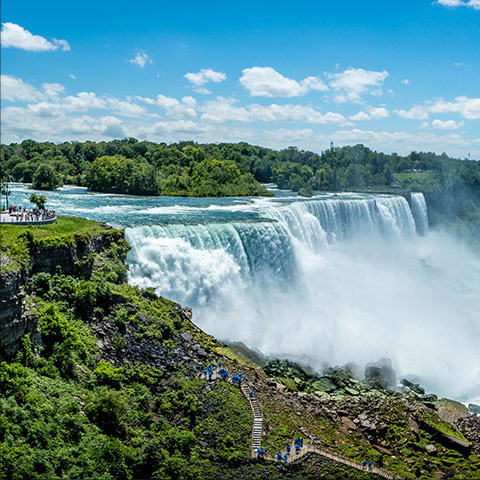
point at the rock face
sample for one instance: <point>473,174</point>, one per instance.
<point>381,373</point>
<point>15,320</point>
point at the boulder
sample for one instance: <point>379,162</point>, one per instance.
<point>381,374</point>
<point>324,384</point>
<point>451,411</point>
<point>414,387</point>
<point>431,449</point>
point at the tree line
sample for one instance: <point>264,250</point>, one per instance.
<point>227,169</point>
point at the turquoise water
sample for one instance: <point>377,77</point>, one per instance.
<point>327,280</point>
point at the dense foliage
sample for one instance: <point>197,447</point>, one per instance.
<point>69,411</point>
<point>130,166</point>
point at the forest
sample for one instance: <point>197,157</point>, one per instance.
<point>191,169</point>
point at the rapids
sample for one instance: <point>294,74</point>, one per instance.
<point>327,280</point>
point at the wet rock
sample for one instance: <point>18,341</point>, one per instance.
<point>414,387</point>
<point>445,439</point>
<point>414,427</point>
<point>381,374</point>
<point>472,408</point>
<point>324,384</point>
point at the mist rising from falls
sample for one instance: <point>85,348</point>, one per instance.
<point>335,280</point>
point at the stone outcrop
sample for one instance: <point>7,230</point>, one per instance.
<point>72,259</point>
<point>381,373</point>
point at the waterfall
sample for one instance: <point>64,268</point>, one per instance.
<point>325,280</point>
<point>419,211</point>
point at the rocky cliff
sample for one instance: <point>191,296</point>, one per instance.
<point>74,253</point>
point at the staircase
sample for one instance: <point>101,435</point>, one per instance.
<point>257,429</point>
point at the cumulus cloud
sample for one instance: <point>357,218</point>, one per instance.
<point>354,82</point>
<point>475,4</point>
<point>72,76</point>
<point>417,112</point>
<point>468,108</point>
<point>267,82</point>
<point>372,113</point>
<point>178,109</point>
<point>53,89</point>
<point>141,59</point>
<point>205,75</point>
<point>224,109</point>
<point>15,36</point>
<point>15,89</point>
<point>406,81</point>
<point>446,125</point>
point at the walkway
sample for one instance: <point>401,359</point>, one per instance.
<point>257,431</point>
<point>16,219</point>
<point>306,449</point>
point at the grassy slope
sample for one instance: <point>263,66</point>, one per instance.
<point>14,240</point>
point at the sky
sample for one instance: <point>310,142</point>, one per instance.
<point>394,75</point>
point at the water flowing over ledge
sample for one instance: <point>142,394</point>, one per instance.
<point>327,280</point>
<point>332,279</point>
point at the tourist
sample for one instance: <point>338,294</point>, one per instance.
<point>288,449</point>
<point>279,456</point>
<point>250,395</point>
<point>369,465</point>
<point>285,458</point>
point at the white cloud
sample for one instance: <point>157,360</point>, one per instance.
<point>267,82</point>
<point>446,125</point>
<point>475,4</point>
<point>53,89</point>
<point>141,59</point>
<point>374,113</point>
<point>417,112</point>
<point>468,108</point>
<point>354,82</point>
<point>62,43</point>
<point>15,36</point>
<point>202,90</point>
<point>388,140</point>
<point>224,109</point>
<point>176,109</point>
<point>204,76</point>
<point>72,76</point>
<point>406,81</point>
<point>15,89</point>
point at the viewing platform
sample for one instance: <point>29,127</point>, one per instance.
<point>26,218</point>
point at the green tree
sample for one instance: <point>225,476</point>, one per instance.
<point>38,200</point>
<point>46,178</point>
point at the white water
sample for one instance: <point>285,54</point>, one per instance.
<point>333,280</point>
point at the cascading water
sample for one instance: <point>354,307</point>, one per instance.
<point>419,211</point>
<point>332,280</point>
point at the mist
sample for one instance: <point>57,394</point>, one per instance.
<point>328,282</point>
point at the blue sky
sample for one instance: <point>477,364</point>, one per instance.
<point>396,76</point>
